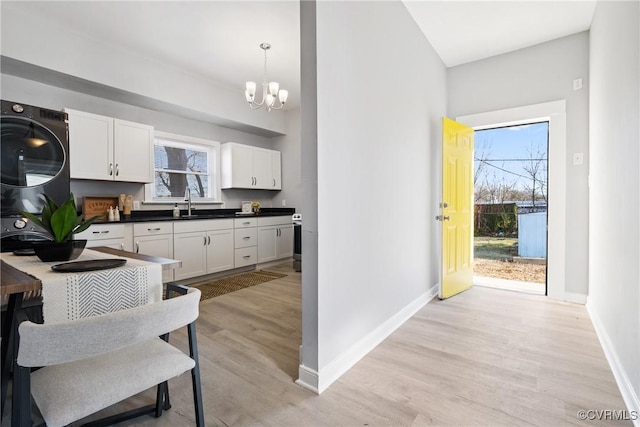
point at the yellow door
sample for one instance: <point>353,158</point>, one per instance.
<point>456,208</point>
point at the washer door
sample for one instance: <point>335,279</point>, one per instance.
<point>31,154</point>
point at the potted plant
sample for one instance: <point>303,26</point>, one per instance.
<point>61,222</point>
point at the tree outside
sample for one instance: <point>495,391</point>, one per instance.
<point>177,167</point>
<point>510,178</point>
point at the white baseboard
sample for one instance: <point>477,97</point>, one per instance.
<point>629,395</point>
<point>308,378</point>
<point>575,298</point>
<point>351,356</point>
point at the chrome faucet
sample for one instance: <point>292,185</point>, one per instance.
<point>187,198</point>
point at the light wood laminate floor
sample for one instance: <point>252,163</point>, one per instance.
<point>485,357</point>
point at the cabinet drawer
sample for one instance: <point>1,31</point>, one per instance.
<point>274,220</point>
<point>102,231</point>
<point>193,225</point>
<point>152,228</point>
<point>246,256</point>
<point>245,222</point>
<point>245,237</point>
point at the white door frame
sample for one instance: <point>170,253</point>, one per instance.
<point>555,113</point>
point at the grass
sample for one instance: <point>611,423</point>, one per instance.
<point>497,248</point>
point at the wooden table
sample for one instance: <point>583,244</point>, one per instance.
<point>16,283</point>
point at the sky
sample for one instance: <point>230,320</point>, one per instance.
<point>506,151</point>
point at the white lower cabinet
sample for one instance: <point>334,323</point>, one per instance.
<point>191,249</point>
<point>155,239</point>
<point>204,247</point>
<point>245,241</point>
<point>275,238</point>
<point>117,236</point>
<point>220,254</point>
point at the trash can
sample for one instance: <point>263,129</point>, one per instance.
<point>297,241</point>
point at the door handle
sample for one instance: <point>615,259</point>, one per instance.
<point>137,247</point>
<point>110,169</point>
<point>443,218</point>
<point>208,240</point>
<point>205,240</point>
<point>274,182</point>
<point>117,170</point>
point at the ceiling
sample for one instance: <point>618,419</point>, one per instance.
<point>220,39</point>
<point>466,31</point>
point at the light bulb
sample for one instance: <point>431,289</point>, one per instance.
<point>270,100</point>
<point>283,95</point>
<point>251,89</point>
<point>273,88</point>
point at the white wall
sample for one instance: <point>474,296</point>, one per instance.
<point>381,94</point>
<point>43,95</point>
<point>614,223</point>
<point>534,75</point>
<point>53,46</point>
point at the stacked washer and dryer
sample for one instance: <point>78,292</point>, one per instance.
<point>34,143</point>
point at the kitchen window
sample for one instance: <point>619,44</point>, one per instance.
<point>181,162</point>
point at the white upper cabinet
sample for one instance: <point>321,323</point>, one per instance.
<point>244,166</point>
<point>109,149</point>
<point>133,151</point>
<point>276,170</point>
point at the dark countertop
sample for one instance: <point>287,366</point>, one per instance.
<point>196,214</point>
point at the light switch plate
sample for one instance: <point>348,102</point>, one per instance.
<point>577,84</point>
<point>136,205</point>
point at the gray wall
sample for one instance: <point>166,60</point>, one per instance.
<point>381,93</point>
<point>289,145</point>
<point>614,223</point>
<point>44,95</point>
<point>538,74</point>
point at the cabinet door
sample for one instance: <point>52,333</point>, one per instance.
<point>262,168</point>
<point>90,146</point>
<point>220,251</point>
<point>133,152</point>
<point>284,241</point>
<point>160,245</point>
<point>191,249</point>
<point>110,243</point>
<point>241,157</point>
<point>267,250</point>
<point>276,170</point>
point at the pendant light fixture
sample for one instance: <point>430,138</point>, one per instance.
<point>271,92</point>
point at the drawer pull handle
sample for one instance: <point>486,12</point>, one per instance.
<point>246,237</point>
<point>246,223</point>
<point>247,256</point>
<point>104,232</point>
<point>153,229</point>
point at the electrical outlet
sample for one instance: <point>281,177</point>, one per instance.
<point>284,203</point>
<point>136,205</point>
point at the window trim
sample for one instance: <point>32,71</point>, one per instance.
<point>178,139</point>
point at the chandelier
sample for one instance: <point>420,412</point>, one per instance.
<point>270,90</point>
